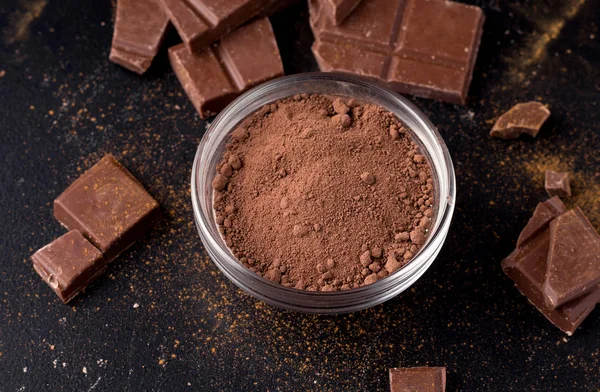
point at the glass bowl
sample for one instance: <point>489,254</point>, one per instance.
<point>210,152</point>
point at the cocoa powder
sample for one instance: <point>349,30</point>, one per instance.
<point>322,193</point>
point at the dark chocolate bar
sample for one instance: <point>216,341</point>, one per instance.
<point>202,22</point>
<point>423,48</point>
<point>573,259</point>
<point>418,379</point>
<point>527,266</point>
<point>108,206</point>
<point>215,76</point>
<point>140,27</point>
<point>527,117</point>
<point>336,10</point>
<point>69,264</point>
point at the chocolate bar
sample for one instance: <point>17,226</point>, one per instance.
<point>202,22</point>
<point>573,259</point>
<point>542,216</point>
<point>522,118</point>
<point>108,206</point>
<point>527,266</point>
<point>418,379</point>
<point>423,48</point>
<point>140,27</point>
<point>336,10</point>
<point>215,76</point>
<point>69,264</point>
<point>557,184</point>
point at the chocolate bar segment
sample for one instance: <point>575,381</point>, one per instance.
<point>336,10</point>
<point>522,118</point>
<point>108,206</point>
<point>418,379</point>
<point>423,48</point>
<point>215,76</point>
<point>202,22</point>
<point>557,184</point>
<point>527,266</point>
<point>573,259</point>
<point>69,264</point>
<point>140,27</point>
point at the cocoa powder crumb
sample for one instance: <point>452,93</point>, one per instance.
<point>287,189</point>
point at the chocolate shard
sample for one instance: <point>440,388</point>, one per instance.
<point>336,10</point>
<point>423,48</point>
<point>214,77</point>
<point>527,266</point>
<point>557,184</point>
<point>202,22</point>
<point>108,206</point>
<point>69,264</point>
<point>573,259</point>
<point>140,27</point>
<point>522,118</point>
<point>418,379</point>
<point>542,216</point>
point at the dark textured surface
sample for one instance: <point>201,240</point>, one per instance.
<point>63,105</point>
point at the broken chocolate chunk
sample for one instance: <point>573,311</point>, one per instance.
<point>573,260</point>
<point>527,266</point>
<point>217,75</point>
<point>69,264</point>
<point>336,10</point>
<point>201,22</point>
<point>423,48</point>
<point>522,118</point>
<point>418,379</point>
<point>140,27</point>
<point>108,206</point>
<point>557,184</point>
<point>542,216</point>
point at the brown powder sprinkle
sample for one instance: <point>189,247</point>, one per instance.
<point>311,199</point>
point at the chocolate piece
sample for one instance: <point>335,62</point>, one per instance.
<point>140,27</point>
<point>202,22</point>
<point>418,379</point>
<point>543,214</point>
<point>109,206</point>
<point>557,184</point>
<point>336,10</point>
<point>424,48</point>
<point>214,77</point>
<point>522,118</point>
<point>573,259</point>
<point>69,264</point>
<point>527,265</point>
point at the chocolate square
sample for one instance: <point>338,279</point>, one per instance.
<point>69,264</point>
<point>418,379</point>
<point>108,206</point>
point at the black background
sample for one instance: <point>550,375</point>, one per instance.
<point>63,105</point>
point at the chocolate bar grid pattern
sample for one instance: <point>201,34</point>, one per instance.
<point>395,47</point>
<point>200,22</point>
<point>214,77</point>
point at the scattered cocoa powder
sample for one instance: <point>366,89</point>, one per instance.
<point>323,194</point>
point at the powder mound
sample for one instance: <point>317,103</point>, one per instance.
<point>323,194</point>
